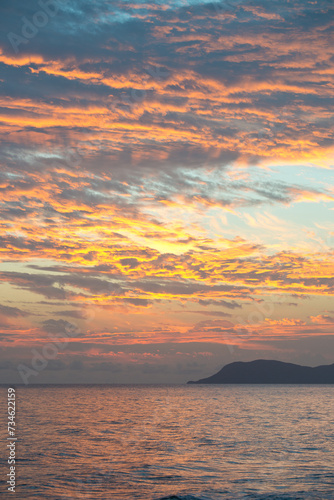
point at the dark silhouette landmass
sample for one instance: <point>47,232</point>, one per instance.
<point>263,371</point>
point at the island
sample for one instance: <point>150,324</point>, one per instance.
<point>266,371</point>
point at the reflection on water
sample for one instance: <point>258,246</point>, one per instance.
<point>149,442</point>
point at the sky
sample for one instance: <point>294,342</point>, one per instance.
<point>166,188</point>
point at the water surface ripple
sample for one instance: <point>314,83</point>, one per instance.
<point>173,442</point>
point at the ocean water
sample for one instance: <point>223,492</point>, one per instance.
<point>176,442</point>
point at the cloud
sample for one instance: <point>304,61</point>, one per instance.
<point>208,91</point>
<point>161,160</point>
<point>57,326</point>
<point>12,312</point>
<point>322,318</point>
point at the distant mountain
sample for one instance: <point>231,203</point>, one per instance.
<point>263,371</point>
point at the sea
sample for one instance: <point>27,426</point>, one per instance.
<point>175,442</point>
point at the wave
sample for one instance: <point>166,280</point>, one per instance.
<point>254,496</point>
<point>182,497</point>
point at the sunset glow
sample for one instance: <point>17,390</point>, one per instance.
<point>167,191</point>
